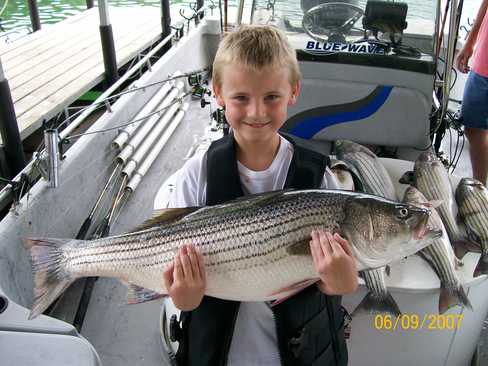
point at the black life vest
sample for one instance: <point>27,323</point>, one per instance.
<point>309,325</point>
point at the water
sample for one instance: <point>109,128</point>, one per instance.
<point>16,13</point>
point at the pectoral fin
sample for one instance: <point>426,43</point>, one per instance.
<point>300,248</point>
<point>287,292</point>
<point>137,294</point>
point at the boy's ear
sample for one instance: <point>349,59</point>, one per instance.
<point>217,90</point>
<point>295,92</point>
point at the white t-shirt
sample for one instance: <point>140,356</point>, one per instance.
<point>254,341</point>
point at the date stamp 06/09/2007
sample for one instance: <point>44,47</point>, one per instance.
<point>391,323</point>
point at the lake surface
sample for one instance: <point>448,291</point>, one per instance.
<point>15,13</point>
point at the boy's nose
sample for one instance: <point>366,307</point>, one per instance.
<point>257,110</point>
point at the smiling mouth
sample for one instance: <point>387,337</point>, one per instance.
<point>257,125</point>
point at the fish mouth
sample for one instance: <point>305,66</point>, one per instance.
<point>427,233</point>
<point>421,229</point>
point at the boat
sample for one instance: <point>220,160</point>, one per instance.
<point>369,72</point>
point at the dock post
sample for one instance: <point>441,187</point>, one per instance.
<point>108,47</point>
<point>165,18</point>
<point>89,4</point>
<point>165,23</point>
<point>34,15</point>
<point>199,15</point>
<point>9,129</point>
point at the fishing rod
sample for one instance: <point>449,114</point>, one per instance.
<point>149,159</point>
<point>104,228</point>
<point>83,232</point>
<point>169,102</point>
<point>128,131</point>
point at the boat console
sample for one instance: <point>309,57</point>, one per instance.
<point>368,72</point>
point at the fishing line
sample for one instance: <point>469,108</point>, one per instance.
<point>132,90</point>
<point>177,100</point>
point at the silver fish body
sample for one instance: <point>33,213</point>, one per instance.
<point>472,198</point>
<point>440,256</point>
<point>368,168</point>
<point>375,180</point>
<point>432,179</point>
<point>254,248</point>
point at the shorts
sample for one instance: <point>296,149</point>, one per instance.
<point>475,102</point>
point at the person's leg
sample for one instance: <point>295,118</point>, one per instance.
<point>475,119</point>
<point>478,151</point>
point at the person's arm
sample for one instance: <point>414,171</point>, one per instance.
<point>334,262</point>
<point>332,255</point>
<point>184,278</point>
<point>467,50</point>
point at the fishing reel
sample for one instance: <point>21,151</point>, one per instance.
<point>198,90</point>
<point>221,122</point>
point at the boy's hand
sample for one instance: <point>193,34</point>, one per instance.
<point>185,278</point>
<point>334,262</point>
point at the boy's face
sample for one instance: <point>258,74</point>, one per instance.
<point>255,102</point>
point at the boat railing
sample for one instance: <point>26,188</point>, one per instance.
<point>30,171</point>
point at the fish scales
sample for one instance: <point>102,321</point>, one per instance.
<point>440,256</point>
<point>255,248</point>
<point>472,197</point>
<point>375,180</point>
<point>432,179</point>
<point>240,226</point>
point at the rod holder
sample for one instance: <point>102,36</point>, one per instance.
<point>51,139</point>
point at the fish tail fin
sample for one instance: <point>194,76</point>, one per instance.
<point>373,304</point>
<point>50,278</point>
<point>482,266</point>
<point>452,297</point>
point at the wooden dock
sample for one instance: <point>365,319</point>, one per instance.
<point>49,69</point>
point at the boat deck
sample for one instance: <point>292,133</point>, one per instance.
<point>49,69</point>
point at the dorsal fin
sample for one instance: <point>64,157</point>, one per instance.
<point>165,216</point>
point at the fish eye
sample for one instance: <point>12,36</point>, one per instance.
<point>403,212</point>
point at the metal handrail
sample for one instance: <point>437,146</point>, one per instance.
<point>6,192</point>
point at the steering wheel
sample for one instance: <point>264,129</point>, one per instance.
<point>330,22</point>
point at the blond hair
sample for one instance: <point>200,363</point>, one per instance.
<point>256,47</point>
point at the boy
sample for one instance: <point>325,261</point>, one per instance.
<point>256,77</point>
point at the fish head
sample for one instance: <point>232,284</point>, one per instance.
<point>382,231</point>
<point>415,197</point>
<point>471,182</point>
<point>465,187</point>
<point>351,147</point>
<point>428,156</point>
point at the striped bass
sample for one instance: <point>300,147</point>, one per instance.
<point>255,248</point>
<point>472,198</point>
<point>374,179</point>
<point>366,165</point>
<point>432,179</point>
<point>440,256</point>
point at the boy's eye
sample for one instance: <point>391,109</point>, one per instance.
<point>272,97</point>
<point>240,98</point>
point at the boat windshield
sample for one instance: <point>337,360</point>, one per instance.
<point>404,29</point>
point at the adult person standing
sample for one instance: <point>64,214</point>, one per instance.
<point>475,99</point>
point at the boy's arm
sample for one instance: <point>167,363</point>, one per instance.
<point>467,50</point>
<point>184,278</point>
<point>334,262</point>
